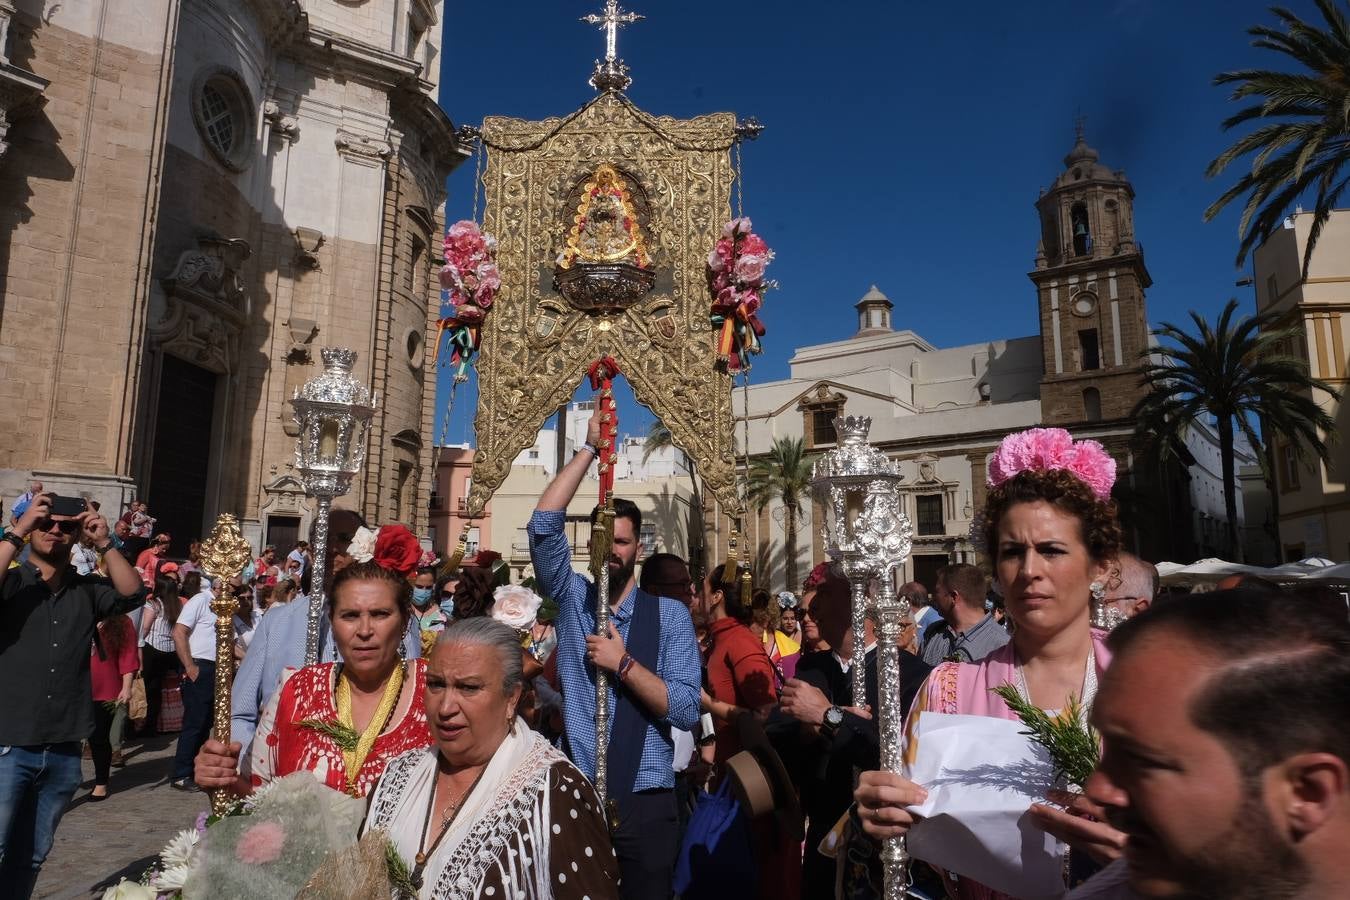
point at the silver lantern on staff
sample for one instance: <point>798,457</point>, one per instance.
<point>333,410</point>
<point>850,482</point>
<point>868,535</point>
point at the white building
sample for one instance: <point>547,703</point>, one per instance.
<point>662,487</point>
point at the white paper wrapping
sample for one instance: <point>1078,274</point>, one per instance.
<point>981,775</point>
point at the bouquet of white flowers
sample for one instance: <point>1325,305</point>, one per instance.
<point>267,846</point>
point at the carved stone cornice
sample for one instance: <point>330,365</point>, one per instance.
<point>283,21</point>
<point>351,57</point>
<point>821,398</point>
<point>450,146</point>
<point>281,125</point>
<point>362,146</point>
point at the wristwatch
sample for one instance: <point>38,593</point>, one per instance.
<point>834,717</point>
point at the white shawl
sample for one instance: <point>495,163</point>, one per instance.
<point>504,824</point>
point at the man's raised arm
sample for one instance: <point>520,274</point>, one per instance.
<point>563,488</point>
<point>549,550</point>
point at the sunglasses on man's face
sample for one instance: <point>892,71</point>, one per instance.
<point>67,526</point>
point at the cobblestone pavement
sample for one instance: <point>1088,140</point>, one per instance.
<point>97,844</point>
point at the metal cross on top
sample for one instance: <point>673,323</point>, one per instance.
<point>611,22</point>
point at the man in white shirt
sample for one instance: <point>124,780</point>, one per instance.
<point>295,561</point>
<point>924,613</point>
<point>194,639</point>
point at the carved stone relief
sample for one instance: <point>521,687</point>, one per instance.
<point>206,305</point>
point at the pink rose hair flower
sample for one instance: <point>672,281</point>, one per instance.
<point>1044,449</point>
<point>260,844</point>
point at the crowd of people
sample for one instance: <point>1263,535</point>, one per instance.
<point>738,761</point>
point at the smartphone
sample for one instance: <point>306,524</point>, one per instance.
<point>68,506</point>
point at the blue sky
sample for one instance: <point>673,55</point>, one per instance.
<point>906,143</point>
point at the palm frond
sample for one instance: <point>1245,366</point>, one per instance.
<point>1304,146</point>
<point>1074,748</point>
<point>345,738</point>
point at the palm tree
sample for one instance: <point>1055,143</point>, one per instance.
<point>1236,372</point>
<point>1304,143</point>
<point>658,438</point>
<point>783,475</point>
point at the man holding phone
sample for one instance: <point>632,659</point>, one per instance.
<point>48,614</point>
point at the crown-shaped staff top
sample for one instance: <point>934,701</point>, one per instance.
<point>853,457</point>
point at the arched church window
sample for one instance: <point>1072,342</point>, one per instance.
<point>1092,405</point>
<point>1082,232</point>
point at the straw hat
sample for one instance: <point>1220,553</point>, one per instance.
<point>761,781</point>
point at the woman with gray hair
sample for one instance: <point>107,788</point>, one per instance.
<point>492,809</point>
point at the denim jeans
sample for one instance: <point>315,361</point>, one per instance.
<point>198,703</point>
<point>36,784</point>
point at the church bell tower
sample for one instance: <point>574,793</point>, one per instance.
<point>1090,280</point>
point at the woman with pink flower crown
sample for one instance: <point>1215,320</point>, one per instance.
<point>1050,527</point>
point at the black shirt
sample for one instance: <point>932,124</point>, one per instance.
<point>45,641</point>
<point>822,766</point>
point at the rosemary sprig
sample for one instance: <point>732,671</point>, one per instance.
<point>400,877</point>
<point>1073,747</point>
<point>344,737</point>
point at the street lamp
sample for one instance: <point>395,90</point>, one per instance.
<point>868,534</point>
<point>333,411</point>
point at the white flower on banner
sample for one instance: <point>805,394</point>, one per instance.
<point>515,606</point>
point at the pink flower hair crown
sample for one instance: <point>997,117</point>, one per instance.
<point>1044,449</point>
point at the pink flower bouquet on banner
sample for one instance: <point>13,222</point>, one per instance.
<point>471,278</point>
<point>736,268</point>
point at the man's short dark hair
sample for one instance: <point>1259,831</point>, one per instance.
<point>657,568</point>
<point>966,580</point>
<point>623,509</point>
<point>1283,686</point>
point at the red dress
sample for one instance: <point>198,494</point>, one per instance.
<point>282,745</point>
<point>739,673</point>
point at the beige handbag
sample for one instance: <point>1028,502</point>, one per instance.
<point>137,709</point>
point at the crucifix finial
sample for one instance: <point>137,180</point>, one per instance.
<point>612,74</point>
<point>1079,124</point>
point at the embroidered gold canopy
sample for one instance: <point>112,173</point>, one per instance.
<point>640,200</point>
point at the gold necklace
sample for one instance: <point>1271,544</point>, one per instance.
<point>355,758</point>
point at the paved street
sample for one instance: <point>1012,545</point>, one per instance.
<point>99,843</point>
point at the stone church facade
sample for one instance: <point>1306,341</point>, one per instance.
<point>197,195</point>
<point>942,411</point>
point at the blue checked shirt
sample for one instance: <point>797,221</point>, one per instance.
<point>678,661</point>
